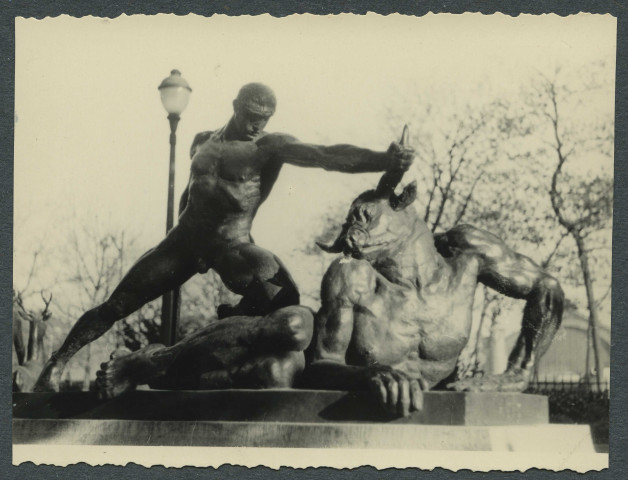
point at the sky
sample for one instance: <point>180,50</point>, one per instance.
<point>91,136</point>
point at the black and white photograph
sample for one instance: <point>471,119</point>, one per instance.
<point>315,240</point>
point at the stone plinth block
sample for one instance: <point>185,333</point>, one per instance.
<point>293,418</point>
<point>305,406</point>
<point>557,439</point>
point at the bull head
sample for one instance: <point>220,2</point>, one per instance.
<point>378,220</point>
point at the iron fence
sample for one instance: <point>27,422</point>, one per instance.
<point>580,386</point>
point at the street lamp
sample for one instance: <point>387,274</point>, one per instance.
<point>175,94</point>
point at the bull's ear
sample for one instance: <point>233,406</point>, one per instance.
<point>405,198</point>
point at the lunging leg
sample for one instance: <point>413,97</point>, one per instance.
<point>159,270</point>
<point>259,276</point>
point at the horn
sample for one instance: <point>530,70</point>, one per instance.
<point>391,178</point>
<point>338,245</point>
<point>405,134</point>
<point>333,248</point>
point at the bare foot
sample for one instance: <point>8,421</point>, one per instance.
<point>50,376</point>
<point>513,381</point>
<point>126,370</point>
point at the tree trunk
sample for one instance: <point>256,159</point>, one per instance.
<point>88,367</point>
<point>593,318</point>
<point>587,361</point>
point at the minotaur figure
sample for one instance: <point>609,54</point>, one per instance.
<point>396,308</point>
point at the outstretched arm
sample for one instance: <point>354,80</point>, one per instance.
<point>340,158</point>
<point>516,276</point>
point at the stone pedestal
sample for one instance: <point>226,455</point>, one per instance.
<point>294,418</point>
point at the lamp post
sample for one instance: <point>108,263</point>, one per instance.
<point>175,94</point>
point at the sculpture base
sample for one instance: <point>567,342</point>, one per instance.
<point>557,439</point>
<point>283,405</point>
<point>295,419</point>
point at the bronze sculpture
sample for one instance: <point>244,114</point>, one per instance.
<point>395,315</point>
<point>396,308</point>
<point>233,171</point>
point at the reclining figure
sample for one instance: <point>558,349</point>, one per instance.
<point>235,352</point>
<point>396,309</point>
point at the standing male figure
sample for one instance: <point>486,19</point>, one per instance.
<point>233,171</point>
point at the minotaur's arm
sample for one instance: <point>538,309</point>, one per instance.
<point>516,276</point>
<point>334,326</point>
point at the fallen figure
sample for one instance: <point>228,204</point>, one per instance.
<point>235,352</point>
<point>397,307</point>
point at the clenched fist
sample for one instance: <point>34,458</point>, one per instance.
<point>401,156</point>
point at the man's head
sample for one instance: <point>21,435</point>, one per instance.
<point>252,109</point>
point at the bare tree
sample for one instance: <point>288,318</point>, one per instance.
<point>582,205</point>
<point>93,265</point>
<point>457,152</point>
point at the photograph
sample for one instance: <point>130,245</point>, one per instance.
<point>314,240</point>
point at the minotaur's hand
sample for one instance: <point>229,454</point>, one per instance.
<point>397,393</point>
<point>401,156</point>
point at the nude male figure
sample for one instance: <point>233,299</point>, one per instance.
<point>396,309</point>
<point>233,171</point>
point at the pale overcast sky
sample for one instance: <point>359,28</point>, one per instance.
<point>91,136</point>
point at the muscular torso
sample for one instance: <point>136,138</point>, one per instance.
<point>419,330</point>
<point>228,182</point>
